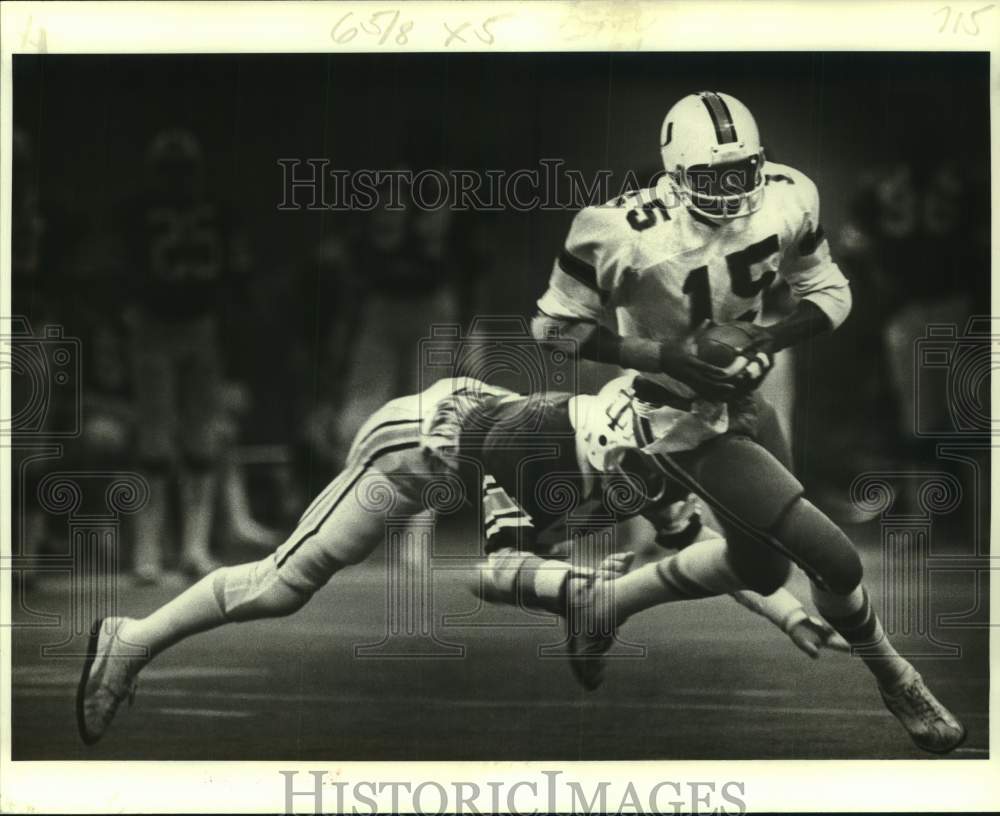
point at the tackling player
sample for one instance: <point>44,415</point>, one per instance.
<point>502,449</point>
<point>702,245</point>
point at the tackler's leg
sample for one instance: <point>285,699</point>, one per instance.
<point>515,577</point>
<point>342,527</point>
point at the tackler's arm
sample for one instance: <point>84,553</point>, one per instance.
<point>809,633</point>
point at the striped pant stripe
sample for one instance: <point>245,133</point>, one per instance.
<point>386,438</point>
<point>339,488</point>
<point>379,436</point>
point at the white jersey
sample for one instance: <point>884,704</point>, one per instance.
<point>661,269</point>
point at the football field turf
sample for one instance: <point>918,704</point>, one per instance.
<point>716,682</point>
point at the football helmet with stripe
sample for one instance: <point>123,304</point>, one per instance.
<point>711,150</point>
<point>632,412</point>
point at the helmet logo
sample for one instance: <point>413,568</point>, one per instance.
<point>722,119</point>
<point>615,413</point>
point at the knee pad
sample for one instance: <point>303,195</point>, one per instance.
<point>822,549</point>
<point>761,568</point>
<point>255,590</point>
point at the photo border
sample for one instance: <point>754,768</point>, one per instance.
<point>240,27</point>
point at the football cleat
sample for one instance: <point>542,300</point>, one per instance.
<point>590,634</point>
<point>930,725</point>
<point>106,681</point>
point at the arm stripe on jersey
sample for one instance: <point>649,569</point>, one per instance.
<point>578,270</point>
<point>722,119</point>
<point>811,241</point>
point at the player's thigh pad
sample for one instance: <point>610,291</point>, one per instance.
<point>742,481</point>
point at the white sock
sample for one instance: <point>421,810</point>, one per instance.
<point>701,570</point>
<point>853,617</point>
<point>195,610</point>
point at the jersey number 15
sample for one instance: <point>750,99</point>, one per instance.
<point>697,287</point>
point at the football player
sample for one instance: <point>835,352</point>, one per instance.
<point>509,454</point>
<point>701,246</point>
<point>184,253</point>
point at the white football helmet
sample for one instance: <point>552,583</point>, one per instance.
<point>711,150</point>
<point>607,424</point>
<point>615,421</point>
<point>633,412</point>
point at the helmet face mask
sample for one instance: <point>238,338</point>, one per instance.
<point>711,150</point>
<point>726,190</point>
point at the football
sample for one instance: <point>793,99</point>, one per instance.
<point>720,345</point>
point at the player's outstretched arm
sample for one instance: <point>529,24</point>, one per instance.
<point>809,633</point>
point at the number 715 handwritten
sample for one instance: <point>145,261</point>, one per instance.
<point>970,27</point>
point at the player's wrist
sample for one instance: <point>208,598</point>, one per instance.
<point>808,320</point>
<point>669,356</point>
<point>640,353</point>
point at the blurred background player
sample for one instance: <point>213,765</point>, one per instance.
<point>185,260</point>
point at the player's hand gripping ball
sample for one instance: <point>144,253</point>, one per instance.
<point>743,350</point>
